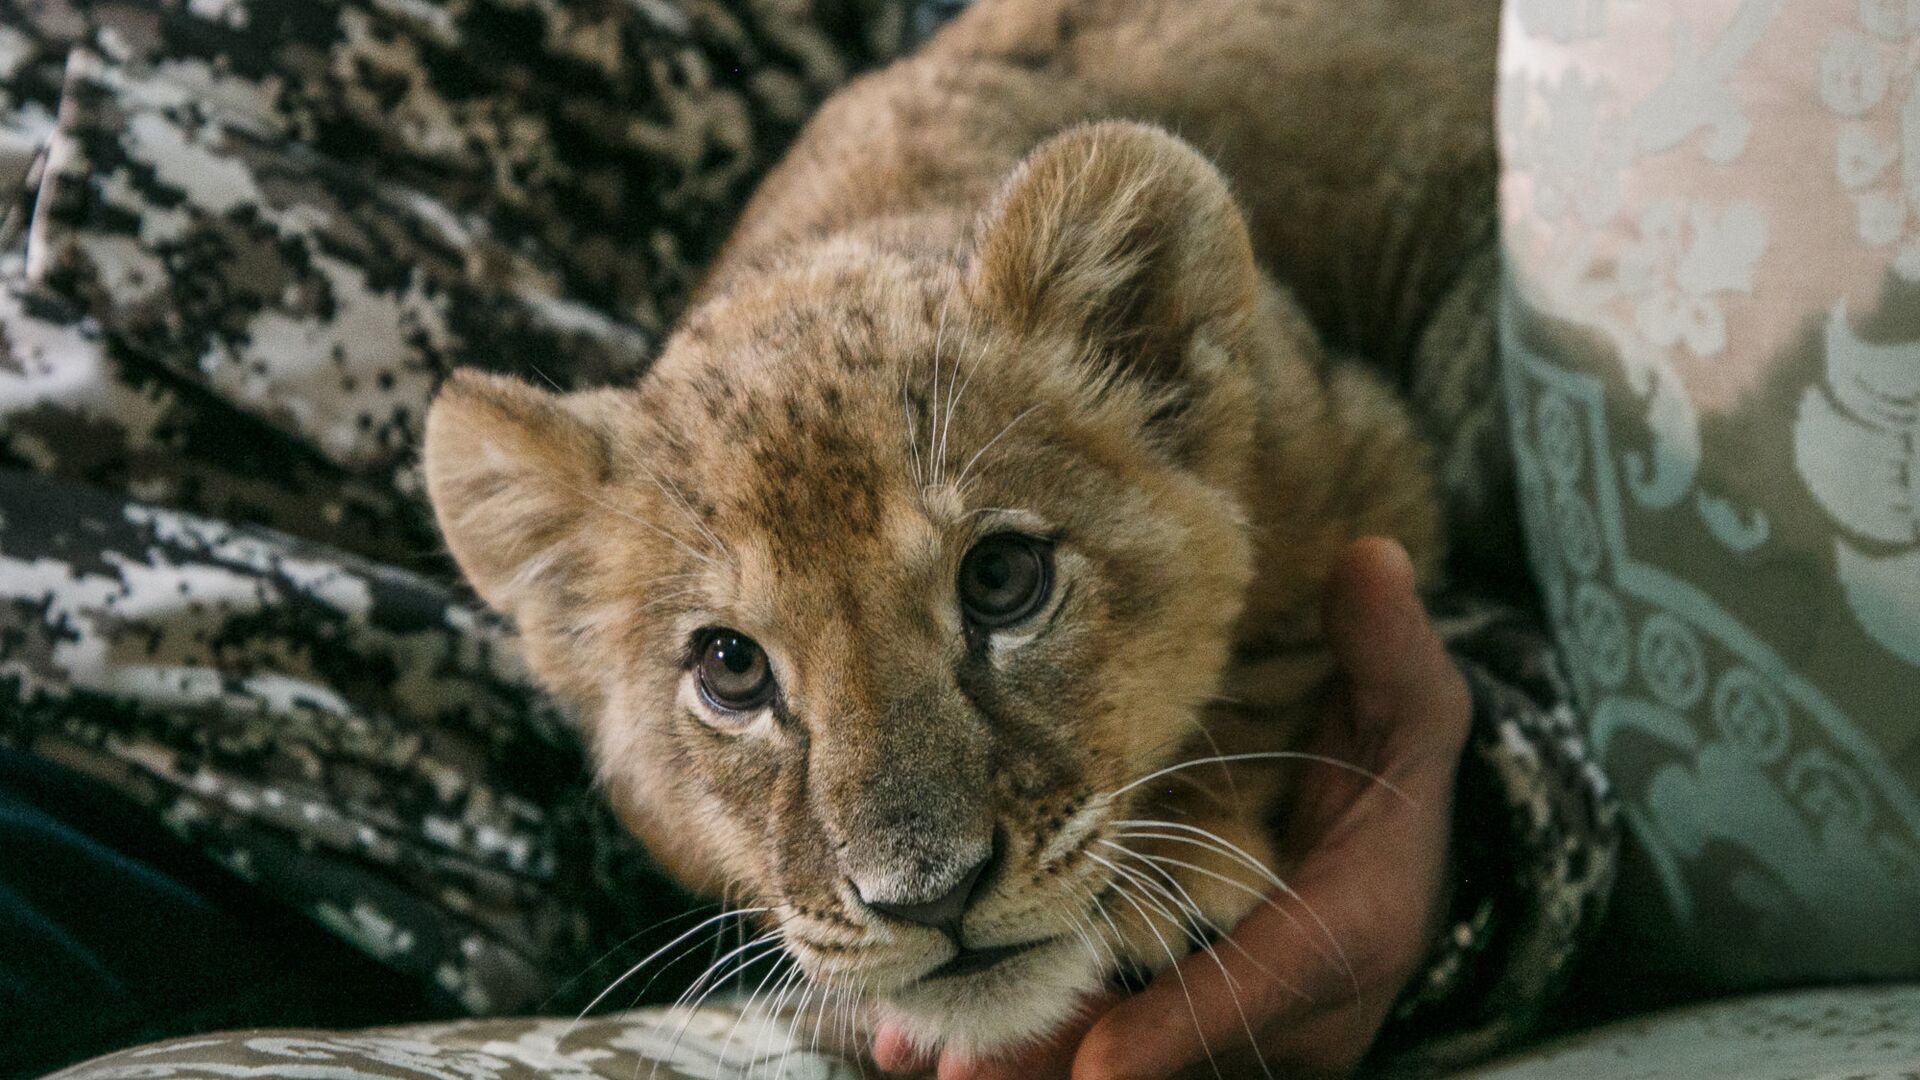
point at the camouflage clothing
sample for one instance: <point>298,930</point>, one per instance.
<point>241,241</point>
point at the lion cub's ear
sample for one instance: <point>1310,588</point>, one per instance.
<point>510,470</point>
<point>1128,236</point>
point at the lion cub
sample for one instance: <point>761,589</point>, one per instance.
<point>989,488</point>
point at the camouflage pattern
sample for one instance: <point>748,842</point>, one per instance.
<point>352,737</point>
<point>271,226</point>
<point>241,243</point>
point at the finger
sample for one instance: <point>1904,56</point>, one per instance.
<point>1328,1044</point>
<point>1047,1059</point>
<point>1396,666</point>
<point>1212,1003</point>
<point>1374,619</point>
<point>1047,1062</point>
<point>894,1052</point>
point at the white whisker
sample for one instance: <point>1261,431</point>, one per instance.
<point>693,1008</point>
<point>1191,908</point>
<point>1271,755</point>
<point>955,395</point>
<point>1227,847</point>
<point>651,957</point>
<point>933,397</point>
<point>687,511</point>
<point>1319,949</point>
<point>743,1008</point>
<point>968,468</point>
<point>1173,961</point>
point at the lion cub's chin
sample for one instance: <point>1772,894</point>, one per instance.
<point>1014,1002</point>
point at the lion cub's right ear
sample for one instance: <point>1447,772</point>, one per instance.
<point>510,471</point>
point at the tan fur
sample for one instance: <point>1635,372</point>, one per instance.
<point>980,295</point>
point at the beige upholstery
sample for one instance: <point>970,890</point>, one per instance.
<point>1863,1033</point>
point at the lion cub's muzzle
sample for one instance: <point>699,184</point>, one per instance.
<point>938,907</point>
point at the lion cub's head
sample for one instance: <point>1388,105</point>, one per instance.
<point>899,568</point>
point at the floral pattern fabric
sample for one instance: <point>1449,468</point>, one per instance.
<point>1713,364</point>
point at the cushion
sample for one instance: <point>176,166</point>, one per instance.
<point>1865,1033</point>
<point>653,1044</point>
<point>1862,1033</point>
<point>1712,352</point>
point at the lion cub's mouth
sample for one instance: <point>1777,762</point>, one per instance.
<point>973,961</point>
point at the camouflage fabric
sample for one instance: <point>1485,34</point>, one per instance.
<point>273,225</point>
<point>1860,1033</point>
<point>713,1043</point>
<point>243,240</point>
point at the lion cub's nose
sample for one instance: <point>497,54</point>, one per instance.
<point>941,911</point>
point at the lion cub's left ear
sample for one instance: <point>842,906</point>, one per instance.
<point>1125,235</point>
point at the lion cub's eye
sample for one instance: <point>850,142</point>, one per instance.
<point>1004,579</point>
<point>733,671</point>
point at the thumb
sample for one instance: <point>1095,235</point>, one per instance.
<point>1394,662</point>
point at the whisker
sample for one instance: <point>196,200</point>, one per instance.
<point>826,994</point>
<point>753,1055</point>
<point>847,1025</point>
<point>605,956</point>
<point>1270,755</point>
<point>1173,961</point>
<point>1191,908</point>
<point>955,395</point>
<point>663,578</point>
<point>651,957</point>
<point>1227,847</point>
<point>786,987</point>
<point>686,509</point>
<point>692,1009</point>
<point>1100,909</point>
<point>745,1007</point>
<point>1189,921</point>
<point>711,974</point>
<point>660,600</point>
<point>799,1017</point>
<point>1319,949</point>
<point>1024,413</point>
<point>546,378</point>
<point>933,398</point>
<point>913,439</point>
<point>793,1026</point>
<point>1089,935</point>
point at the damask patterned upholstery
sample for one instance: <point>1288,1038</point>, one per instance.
<point>1712,349</point>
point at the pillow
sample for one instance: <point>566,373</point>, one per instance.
<point>716,1042</point>
<point>1711,218</point>
<point>1862,1033</point>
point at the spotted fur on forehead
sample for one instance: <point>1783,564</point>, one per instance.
<point>805,451</point>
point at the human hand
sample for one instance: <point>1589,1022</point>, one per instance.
<point>1370,860</point>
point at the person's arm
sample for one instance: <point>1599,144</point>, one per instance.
<point>1536,840</point>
